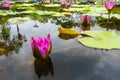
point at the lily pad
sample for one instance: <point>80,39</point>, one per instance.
<point>68,31</point>
<point>100,39</point>
<point>67,13</point>
<point>52,5</point>
<point>58,14</point>
<point>18,20</point>
<point>44,13</point>
<point>73,9</point>
<point>3,14</point>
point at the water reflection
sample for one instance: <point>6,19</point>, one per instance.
<point>114,23</point>
<point>43,67</point>
<point>67,36</point>
<point>74,63</point>
<point>3,71</point>
<point>67,22</point>
<point>8,44</point>
<point>83,28</point>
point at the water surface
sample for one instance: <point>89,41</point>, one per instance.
<point>69,60</point>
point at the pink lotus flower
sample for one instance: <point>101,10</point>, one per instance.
<point>48,1</point>
<point>109,5</point>
<point>62,2</point>
<point>41,47</point>
<point>68,4</point>
<point>6,4</point>
<point>85,20</point>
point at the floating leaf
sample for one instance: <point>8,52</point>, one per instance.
<point>44,13</point>
<point>58,14</point>
<point>18,19</point>
<point>73,9</point>
<point>3,13</point>
<point>100,39</point>
<point>52,5</point>
<point>67,13</point>
<point>67,31</point>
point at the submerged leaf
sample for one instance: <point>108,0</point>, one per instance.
<point>100,39</point>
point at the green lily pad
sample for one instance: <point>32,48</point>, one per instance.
<point>27,12</point>
<point>3,13</point>
<point>58,14</point>
<point>73,9</point>
<point>44,13</point>
<point>100,39</point>
<point>52,5</point>
<point>18,20</point>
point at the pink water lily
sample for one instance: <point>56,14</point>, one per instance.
<point>42,46</point>
<point>85,20</point>
<point>109,5</point>
<point>62,2</point>
<point>6,4</point>
<point>68,4</point>
<point>48,1</point>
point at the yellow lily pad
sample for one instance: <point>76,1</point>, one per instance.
<point>100,39</point>
<point>67,31</point>
<point>58,15</point>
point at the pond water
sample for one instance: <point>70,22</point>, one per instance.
<point>69,60</point>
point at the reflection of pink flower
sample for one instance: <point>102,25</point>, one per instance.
<point>109,5</point>
<point>6,4</point>
<point>42,1</point>
<point>85,19</point>
<point>83,28</point>
<point>42,45</point>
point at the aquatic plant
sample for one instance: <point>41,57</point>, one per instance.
<point>65,4</point>
<point>109,6</point>
<point>85,20</point>
<point>6,4</point>
<point>68,4</point>
<point>100,39</point>
<point>43,67</point>
<point>41,47</point>
<point>5,31</point>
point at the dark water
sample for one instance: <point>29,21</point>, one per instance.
<point>68,60</point>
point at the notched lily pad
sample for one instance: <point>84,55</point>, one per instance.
<point>100,39</point>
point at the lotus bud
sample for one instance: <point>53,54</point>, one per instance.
<point>85,20</point>
<point>41,47</point>
<point>109,5</point>
<point>6,4</point>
